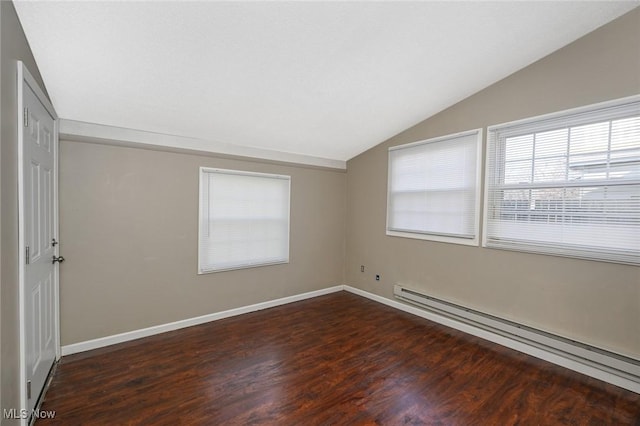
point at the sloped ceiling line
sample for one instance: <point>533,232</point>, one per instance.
<point>317,79</point>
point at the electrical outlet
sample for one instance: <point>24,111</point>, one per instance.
<point>377,277</point>
<point>361,268</point>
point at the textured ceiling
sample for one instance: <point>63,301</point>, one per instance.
<point>326,79</point>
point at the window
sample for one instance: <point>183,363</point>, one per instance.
<point>433,189</point>
<point>567,183</point>
<point>244,220</point>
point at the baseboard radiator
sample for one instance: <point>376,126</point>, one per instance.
<point>610,362</point>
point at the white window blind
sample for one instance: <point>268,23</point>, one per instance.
<point>433,189</point>
<point>567,184</point>
<point>244,219</point>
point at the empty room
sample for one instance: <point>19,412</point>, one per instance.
<point>320,213</point>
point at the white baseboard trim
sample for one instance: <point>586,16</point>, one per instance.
<point>467,328</point>
<point>534,351</point>
<point>157,329</point>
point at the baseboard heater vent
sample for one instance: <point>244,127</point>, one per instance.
<point>610,362</point>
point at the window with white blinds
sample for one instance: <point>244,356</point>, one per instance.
<point>567,184</point>
<point>433,189</point>
<point>244,219</point>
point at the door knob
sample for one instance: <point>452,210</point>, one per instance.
<point>57,259</point>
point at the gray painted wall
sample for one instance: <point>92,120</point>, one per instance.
<point>129,232</point>
<point>13,47</point>
<point>594,302</point>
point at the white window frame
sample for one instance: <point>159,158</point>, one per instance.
<point>571,117</point>
<point>201,200</point>
<point>475,240</point>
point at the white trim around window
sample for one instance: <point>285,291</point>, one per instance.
<point>243,219</point>
<point>433,189</point>
<point>567,184</point>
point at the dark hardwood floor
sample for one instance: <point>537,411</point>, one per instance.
<point>336,359</point>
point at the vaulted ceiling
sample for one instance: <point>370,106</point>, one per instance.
<point>325,79</point>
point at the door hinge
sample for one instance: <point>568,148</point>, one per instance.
<point>27,256</point>
<point>26,117</point>
<point>28,389</point>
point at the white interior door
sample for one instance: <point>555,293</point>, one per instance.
<point>39,319</point>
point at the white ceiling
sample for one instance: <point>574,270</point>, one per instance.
<point>325,79</point>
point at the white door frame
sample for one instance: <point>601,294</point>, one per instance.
<point>24,77</point>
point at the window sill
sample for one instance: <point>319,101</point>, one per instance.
<point>436,238</point>
<point>239,267</point>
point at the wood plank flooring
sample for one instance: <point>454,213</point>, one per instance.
<point>337,359</point>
